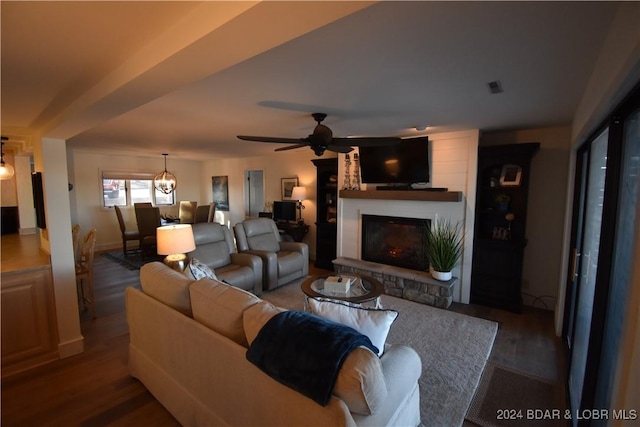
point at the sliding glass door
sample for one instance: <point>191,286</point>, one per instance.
<point>593,160</point>
<point>604,218</point>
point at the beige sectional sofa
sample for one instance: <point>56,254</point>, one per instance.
<point>188,345</point>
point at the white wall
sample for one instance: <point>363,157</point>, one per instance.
<point>194,183</point>
<point>287,164</point>
<point>86,197</point>
<point>545,211</point>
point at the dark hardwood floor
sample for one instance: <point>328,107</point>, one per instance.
<point>95,389</point>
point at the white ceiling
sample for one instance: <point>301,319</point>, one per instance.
<point>185,78</point>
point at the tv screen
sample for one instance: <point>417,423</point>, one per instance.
<point>404,163</point>
<point>284,211</point>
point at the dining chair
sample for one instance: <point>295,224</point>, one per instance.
<point>127,235</point>
<point>142,205</point>
<point>84,271</point>
<point>75,237</point>
<point>187,212</point>
<point>205,213</point>
<point>148,220</point>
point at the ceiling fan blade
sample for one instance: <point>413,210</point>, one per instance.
<point>291,147</point>
<point>339,148</point>
<point>367,141</point>
<point>271,139</point>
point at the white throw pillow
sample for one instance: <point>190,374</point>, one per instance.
<point>372,322</point>
<point>199,270</point>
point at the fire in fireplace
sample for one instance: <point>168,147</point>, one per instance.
<point>395,241</point>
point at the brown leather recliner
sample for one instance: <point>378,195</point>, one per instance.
<point>215,248</point>
<point>282,262</point>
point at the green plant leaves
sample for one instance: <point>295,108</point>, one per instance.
<point>444,245</point>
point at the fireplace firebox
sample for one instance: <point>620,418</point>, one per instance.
<point>395,241</point>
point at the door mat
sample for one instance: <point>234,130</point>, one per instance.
<point>508,397</point>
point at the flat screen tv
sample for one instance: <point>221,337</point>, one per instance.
<point>405,163</point>
<point>284,211</point>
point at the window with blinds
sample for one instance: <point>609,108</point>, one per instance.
<point>124,188</point>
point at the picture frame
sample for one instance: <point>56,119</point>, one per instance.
<point>510,176</point>
<point>220,190</point>
<point>287,185</point>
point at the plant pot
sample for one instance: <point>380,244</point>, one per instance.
<point>443,276</point>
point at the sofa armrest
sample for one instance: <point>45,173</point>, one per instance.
<point>254,262</point>
<point>402,368</point>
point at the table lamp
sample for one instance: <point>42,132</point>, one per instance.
<point>299,194</point>
<point>175,241</point>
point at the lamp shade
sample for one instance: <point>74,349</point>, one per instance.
<point>6,171</point>
<point>298,193</point>
<point>175,239</point>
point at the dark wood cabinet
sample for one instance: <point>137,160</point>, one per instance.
<point>327,212</point>
<point>500,224</point>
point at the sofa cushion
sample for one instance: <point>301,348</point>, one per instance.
<point>360,383</point>
<point>219,307</point>
<point>197,270</point>
<point>374,323</point>
<point>255,317</point>
<point>167,286</point>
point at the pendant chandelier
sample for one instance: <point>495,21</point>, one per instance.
<point>165,182</point>
<point>6,170</point>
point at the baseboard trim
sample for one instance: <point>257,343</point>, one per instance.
<point>71,348</point>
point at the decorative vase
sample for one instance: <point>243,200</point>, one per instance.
<point>443,276</point>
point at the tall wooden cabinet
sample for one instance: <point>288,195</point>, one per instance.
<point>326,214</point>
<point>500,224</point>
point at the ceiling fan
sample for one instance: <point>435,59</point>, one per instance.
<point>322,139</point>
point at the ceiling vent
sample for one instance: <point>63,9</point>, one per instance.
<point>495,87</point>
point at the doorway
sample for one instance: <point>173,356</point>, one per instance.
<point>253,192</point>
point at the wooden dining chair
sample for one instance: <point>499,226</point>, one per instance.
<point>148,220</point>
<point>205,213</point>
<point>187,212</point>
<point>127,235</point>
<point>75,237</point>
<point>84,271</point>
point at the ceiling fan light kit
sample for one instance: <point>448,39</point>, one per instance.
<point>165,182</point>
<point>322,140</point>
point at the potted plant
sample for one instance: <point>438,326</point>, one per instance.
<point>444,247</point>
<point>502,201</point>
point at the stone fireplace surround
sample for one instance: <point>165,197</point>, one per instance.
<point>409,284</point>
<point>401,282</point>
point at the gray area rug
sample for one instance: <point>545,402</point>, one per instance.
<point>133,261</point>
<point>454,349</point>
<point>530,400</point>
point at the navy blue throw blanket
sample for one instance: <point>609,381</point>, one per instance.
<point>305,352</point>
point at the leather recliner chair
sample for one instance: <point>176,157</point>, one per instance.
<point>215,248</point>
<point>282,262</point>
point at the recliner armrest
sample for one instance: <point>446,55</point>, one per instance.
<point>254,262</point>
<point>269,265</point>
<point>303,248</point>
<point>300,247</point>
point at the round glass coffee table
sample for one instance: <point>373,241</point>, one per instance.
<point>364,289</point>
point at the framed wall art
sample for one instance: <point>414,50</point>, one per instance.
<point>220,188</point>
<point>287,185</point>
<point>511,176</point>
